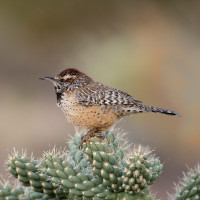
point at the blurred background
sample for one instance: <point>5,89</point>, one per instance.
<point>150,49</point>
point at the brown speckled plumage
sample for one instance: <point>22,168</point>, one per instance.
<point>92,105</point>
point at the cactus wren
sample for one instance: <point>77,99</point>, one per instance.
<point>92,105</point>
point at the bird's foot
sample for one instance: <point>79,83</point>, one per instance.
<point>89,135</point>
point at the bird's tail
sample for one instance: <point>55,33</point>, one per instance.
<point>145,108</point>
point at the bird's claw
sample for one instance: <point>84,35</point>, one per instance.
<point>89,135</point>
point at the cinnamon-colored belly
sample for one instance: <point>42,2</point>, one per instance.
<point>90,117</point>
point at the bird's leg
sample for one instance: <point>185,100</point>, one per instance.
<point>90,134</point>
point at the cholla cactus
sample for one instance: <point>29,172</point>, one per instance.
<point>8,192</point>
<point>28,172</point>
<point>101,169</point>
<point>189,187</point>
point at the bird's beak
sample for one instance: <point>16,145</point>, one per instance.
<point>48,78</point>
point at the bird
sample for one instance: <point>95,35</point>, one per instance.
<point>92,105</point>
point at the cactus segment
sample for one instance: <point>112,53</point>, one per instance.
<point>189,186</point>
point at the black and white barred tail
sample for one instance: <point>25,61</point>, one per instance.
<point>144,108</point>
<point>140,108</point>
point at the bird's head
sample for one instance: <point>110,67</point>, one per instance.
<point>68,79</point>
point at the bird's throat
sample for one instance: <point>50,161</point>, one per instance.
<point>59,97</point>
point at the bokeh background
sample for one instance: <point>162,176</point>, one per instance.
<point>150,49</point>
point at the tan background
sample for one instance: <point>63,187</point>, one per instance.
<point>151,49</point>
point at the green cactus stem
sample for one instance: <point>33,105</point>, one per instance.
<point>8,192</point>
<point>102,169</point>
<point>99,170</point>
<point>189,187</point>
<point>28,172</point>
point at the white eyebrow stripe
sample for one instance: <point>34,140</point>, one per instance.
<point>67,76</point>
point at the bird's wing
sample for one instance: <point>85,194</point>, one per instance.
<point>100,94</point>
